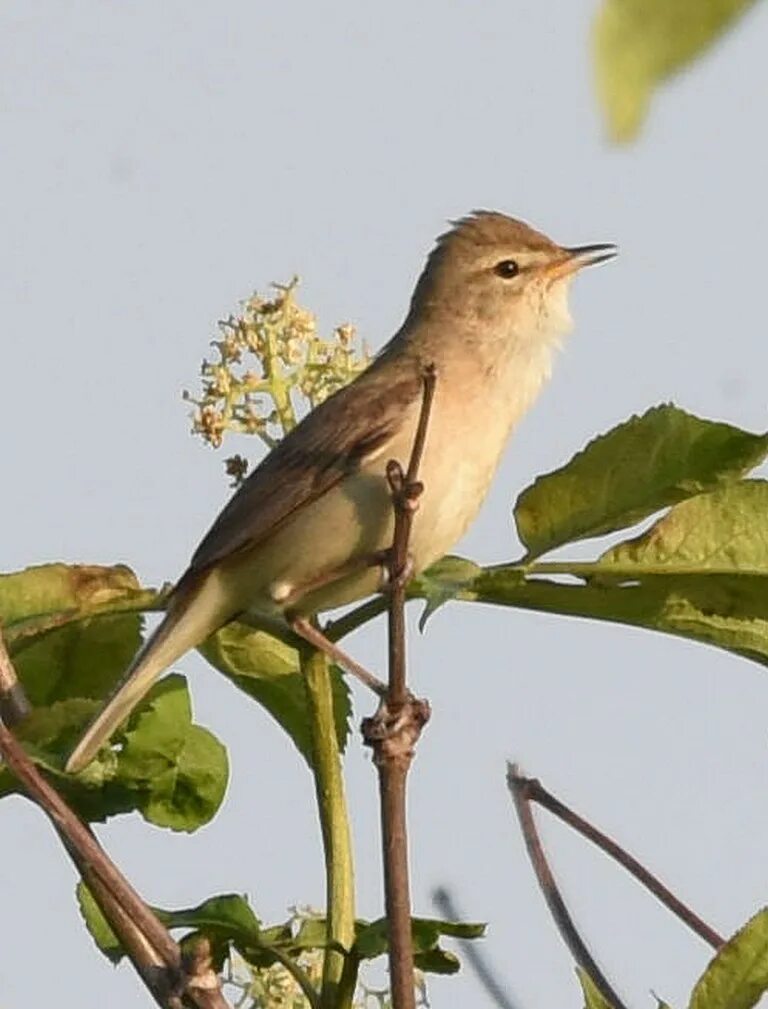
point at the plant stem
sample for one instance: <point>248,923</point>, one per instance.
<point>338,987</point>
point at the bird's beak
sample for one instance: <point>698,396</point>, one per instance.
<point>579,256</point>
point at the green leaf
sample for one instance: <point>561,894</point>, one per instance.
<point>227,917</point>
<point>593,999</point>
<point>71,629</point>
<point>52,590</point>
<point>97,925</point>
<point>172,771</point>
<point>48,735</point>
<point>700,572</point>
<point>268,671</point>
<point>177,769</point>
<point>228,913</point>
<point>70,643</point>
<point>738,975</point>
<point>640,43</point>
<point>636,469</point>
<point>441,583</point>
<point>725,532</point>
<point>373,940</point>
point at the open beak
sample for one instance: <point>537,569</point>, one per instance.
<point>579,256</point>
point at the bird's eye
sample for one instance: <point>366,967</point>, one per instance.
<point>506,268</point>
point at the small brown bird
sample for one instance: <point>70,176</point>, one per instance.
<point>299,535</point>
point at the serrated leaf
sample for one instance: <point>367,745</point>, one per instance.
<point>593,998</point>
<point>738,975</point>
<point>268,671</point>
<point>177,769</point>
<point>638,44</point>
<point>636,469</point>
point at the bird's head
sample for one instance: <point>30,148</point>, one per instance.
<point>499,273</point>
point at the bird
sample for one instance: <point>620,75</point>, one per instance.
<point>306,531</point>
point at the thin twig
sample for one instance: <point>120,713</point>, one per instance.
<point>152,950</point>
<point>337,629</point>
<point>535,792</point>
<point>477,961</point>
<point>555,903</point>
<point>395,728</point>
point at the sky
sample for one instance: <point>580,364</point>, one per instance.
<point>159,162</point>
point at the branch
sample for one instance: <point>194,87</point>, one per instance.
<point>395,728</point>
<point>153,952</point>
<point>565,926</point>
<point>534,791</point>
<point>477,961</point>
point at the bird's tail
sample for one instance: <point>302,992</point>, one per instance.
<point>194,612</point>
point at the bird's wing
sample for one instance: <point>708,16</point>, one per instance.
<point>328,444</point>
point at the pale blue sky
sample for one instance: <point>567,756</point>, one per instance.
<point>159,161</point>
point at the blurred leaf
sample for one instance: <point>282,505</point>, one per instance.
<point>177,769</point>
<point>373,941</point>
<point>437,961</point>
<point>640,43</point>
<point>637,468</point>
<point>738,975</point>
<point>268,670</point>
<point>593,999</point>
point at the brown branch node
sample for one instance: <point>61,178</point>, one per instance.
<point>392,733</point>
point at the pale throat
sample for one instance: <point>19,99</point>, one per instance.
<point>519,361</point>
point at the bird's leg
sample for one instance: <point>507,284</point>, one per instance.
<point>315,637</point>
